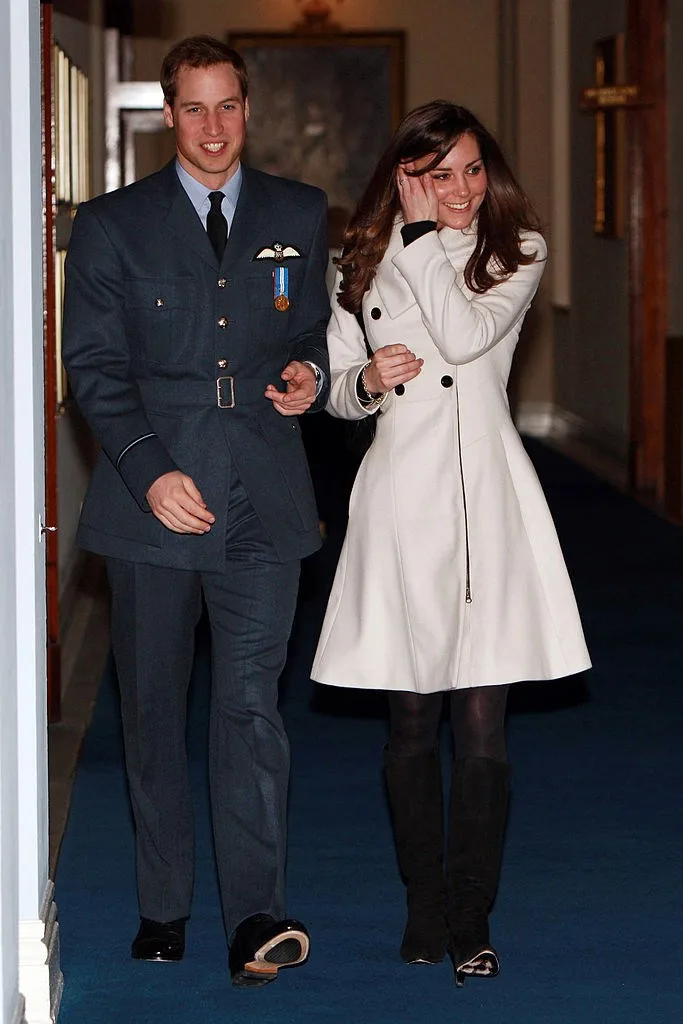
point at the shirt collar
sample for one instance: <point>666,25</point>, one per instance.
<point>198,193</point>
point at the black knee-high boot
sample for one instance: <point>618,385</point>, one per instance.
<point>415,794</point>
<point>477,815</point>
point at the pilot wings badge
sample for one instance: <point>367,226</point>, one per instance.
<point>277,251</point>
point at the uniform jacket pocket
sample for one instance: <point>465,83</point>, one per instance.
<point>161,318</point>
<point>260,287</point>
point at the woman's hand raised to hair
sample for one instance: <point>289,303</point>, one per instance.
<point>389,366</point>
<point>418,196</point>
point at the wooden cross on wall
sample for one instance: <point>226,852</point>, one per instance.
<point>607,100</point>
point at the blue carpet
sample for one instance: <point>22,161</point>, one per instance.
<point>588,919</point>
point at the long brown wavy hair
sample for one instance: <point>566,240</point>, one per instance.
<point>505,211</point>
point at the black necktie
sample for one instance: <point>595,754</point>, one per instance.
<point>216,224</point>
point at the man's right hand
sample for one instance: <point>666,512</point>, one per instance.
<point>176,502</point>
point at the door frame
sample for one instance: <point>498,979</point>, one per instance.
<point>646,56</point>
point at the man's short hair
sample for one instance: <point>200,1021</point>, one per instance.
<point>199,52</point>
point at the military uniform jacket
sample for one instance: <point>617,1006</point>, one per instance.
<point>169,353</point>
<point>451,573</point>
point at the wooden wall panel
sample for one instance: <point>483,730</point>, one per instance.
<point>648,142</point>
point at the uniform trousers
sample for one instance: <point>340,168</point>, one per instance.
<point>250,607</point>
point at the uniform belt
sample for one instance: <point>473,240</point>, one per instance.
<point>226,392</point>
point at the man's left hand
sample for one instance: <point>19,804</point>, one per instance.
<point>300,393</point>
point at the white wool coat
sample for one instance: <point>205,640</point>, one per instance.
<point>451,574</point>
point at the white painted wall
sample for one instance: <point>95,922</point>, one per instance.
<point>9,870</point>
<point>29,446</point>
<point>23,738</point>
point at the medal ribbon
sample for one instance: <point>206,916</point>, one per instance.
<point>281,282</point>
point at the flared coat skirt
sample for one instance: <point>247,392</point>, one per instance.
<point>451,574</point>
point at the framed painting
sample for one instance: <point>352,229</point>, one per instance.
<point>323,106</point>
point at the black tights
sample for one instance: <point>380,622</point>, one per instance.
<point>477,722</point>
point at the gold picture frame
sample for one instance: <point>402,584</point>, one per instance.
<point>323,105</point>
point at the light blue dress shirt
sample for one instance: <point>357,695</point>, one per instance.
<point>198,194</point>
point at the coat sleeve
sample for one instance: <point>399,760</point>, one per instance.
<point>348,356</point>
<point>313,310</point>
<point>464,328</point>
<point>97,358</point>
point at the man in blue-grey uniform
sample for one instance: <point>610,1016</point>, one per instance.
<point>194,336</point>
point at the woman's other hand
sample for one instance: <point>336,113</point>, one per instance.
<point>418,196</point>
<point>389,366</point>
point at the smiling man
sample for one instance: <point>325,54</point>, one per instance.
<point>194,336</point>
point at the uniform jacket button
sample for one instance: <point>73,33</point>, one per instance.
<point>222,281</point>
<point>399,389</point>
<point>375,312</point>
<point>222,363</point>
<point>446,381</point>
<point>222,322</point>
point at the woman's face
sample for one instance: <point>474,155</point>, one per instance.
<point>459,182</point>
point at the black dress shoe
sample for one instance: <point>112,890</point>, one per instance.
<point>157,941</point>
<point>261,946</point>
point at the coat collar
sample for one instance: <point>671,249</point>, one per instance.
<point>395,295</point>
<point>394,292</point>
<point>253,207</point>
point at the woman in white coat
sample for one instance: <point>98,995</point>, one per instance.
<point>451,579</point>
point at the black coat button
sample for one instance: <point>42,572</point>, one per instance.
<point>399,389</point>
<point>375,312</point>
<point>446,381</point>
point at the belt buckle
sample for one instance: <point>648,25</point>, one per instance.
<point>225,393</point>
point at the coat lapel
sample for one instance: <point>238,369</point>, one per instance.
<point>393,288</point>
<point>251,216</point>
<point>181,216</point>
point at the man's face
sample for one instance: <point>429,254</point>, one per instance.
<point>210,117</point>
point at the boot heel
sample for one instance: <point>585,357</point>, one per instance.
<point>483,964</point>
